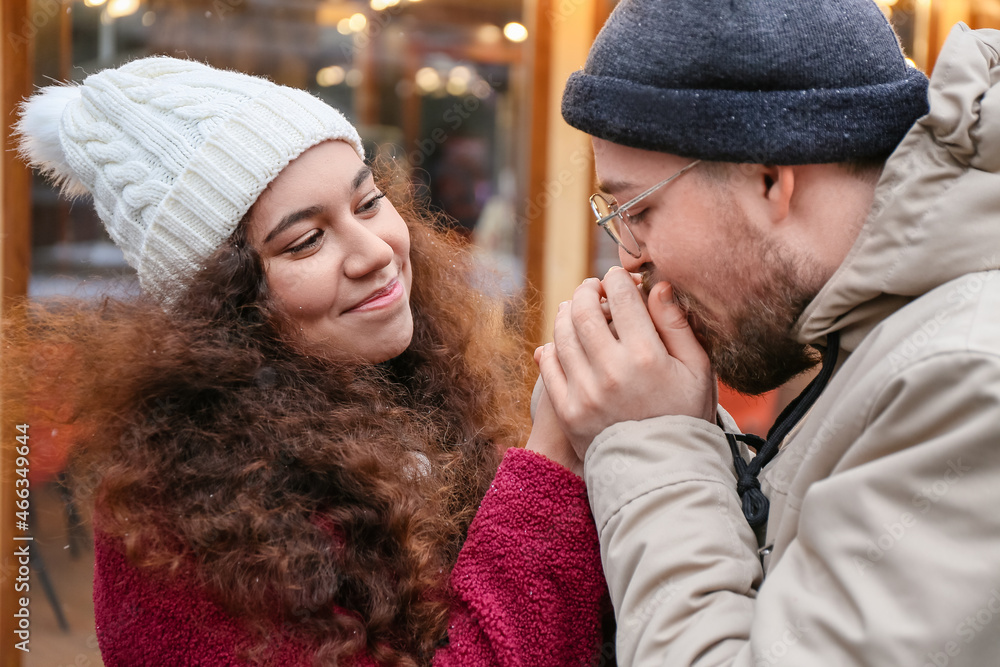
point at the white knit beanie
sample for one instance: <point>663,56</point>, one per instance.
<point>174,153</point>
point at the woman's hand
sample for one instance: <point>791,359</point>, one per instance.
<point>548,439</point>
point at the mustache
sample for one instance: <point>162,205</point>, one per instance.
<point>647,282</point>
<point>684,301</point>
<point>681,297</point>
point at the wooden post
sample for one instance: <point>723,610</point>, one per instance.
<point>944,15</point>
<point>15,180</point>
<point>985,14</point>
<point>366,95</point>
<point>561,177</point>
<point>537,119</point>
<point>16,51</point>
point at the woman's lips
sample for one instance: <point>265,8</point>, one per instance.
<point>386,296</point>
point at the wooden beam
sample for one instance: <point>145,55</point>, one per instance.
<point>985,14</point>
<point>16,55</point>
<point>601,13</point>
<point>944,15</point>
<point>540,35</point>
<point>558,210</point>
<point>16,52</point>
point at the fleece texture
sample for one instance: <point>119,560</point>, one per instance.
<point>528,589</point>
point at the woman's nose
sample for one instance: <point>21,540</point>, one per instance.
<point>366,252</point>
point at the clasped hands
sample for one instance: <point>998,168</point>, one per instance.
<point>615,358</point>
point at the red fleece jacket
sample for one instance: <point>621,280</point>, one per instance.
<point>528,586</point>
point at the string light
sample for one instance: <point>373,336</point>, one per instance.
<point>428,80</point>
<point>117,9</point>
<point>515,32</point>
<point>331,76</point>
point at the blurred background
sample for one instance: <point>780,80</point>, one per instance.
<point>464,94</point>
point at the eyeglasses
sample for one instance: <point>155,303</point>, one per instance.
<point>614,218</point>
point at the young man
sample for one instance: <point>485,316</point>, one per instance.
<point>771,230</point>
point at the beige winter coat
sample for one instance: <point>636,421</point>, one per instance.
<point>883,544</point>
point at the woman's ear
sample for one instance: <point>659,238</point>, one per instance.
<point>778,183</point>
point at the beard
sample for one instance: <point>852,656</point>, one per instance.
<point>754,352</point>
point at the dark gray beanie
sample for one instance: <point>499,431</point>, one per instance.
<point>763,81</point>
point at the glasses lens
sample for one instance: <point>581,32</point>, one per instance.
<point>615,227</point>
<point>601,207</point>
<point>624,235</point>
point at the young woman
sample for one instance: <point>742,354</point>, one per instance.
<point>288,435</point>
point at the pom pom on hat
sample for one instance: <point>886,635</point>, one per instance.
<point>174,153</point>
<point>38,132</point>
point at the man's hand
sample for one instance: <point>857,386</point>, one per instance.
<point>655,366</point>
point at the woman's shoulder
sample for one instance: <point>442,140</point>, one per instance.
<point>161,616</point>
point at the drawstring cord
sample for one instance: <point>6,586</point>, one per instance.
<point>755,503</point>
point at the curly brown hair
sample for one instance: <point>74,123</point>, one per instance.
<point>210,439</point>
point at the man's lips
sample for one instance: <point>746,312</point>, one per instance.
<point>379,298</point>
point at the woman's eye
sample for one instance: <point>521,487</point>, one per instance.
<point>311,241</point>
<point>371,205</point>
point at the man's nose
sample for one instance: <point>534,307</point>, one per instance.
<point>630,263</point>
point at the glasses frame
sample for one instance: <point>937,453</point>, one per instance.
<point>621,212</point>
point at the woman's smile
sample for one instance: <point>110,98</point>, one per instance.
<point>382,298</point>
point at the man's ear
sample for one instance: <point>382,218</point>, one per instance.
<point>778,184</point>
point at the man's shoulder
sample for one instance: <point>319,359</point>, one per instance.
<point>941,350</point>
<point>961,316</point>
